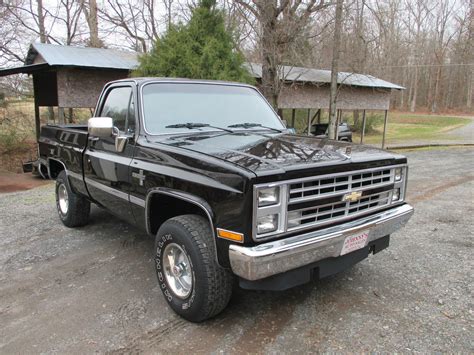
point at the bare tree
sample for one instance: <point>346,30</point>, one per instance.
<point>280,22</point>
<point>89,7</point>
<point>136,18</point>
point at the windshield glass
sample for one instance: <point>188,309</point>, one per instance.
<point>168,104</point>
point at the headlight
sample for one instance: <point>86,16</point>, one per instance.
<point>267,224</point>
<point>398,174</point>
<point>268,196</point>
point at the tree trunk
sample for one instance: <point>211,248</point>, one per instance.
<point>93,23</point>
<point>415,90</point>
<point>41,28</point>
<point>270,79</point>
<point>434,103</point>
<point>332,131</point>
<point>470,85</point>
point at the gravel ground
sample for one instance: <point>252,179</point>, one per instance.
<point>94,290</point>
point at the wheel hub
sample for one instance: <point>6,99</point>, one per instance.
<point>63,199</point>
<point>177,270</point>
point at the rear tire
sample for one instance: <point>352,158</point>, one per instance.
<point>73,209</point>
<point>193,284</point>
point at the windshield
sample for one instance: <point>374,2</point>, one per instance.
<point>171,104</point>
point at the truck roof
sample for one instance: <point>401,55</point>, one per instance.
<point>142,80</point>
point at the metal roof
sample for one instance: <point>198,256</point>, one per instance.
<point>320,76</point>
<point>56,55</point>
<point>87,57</point>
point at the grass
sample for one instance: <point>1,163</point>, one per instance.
<point>407,127</point>
<point>402,127</point>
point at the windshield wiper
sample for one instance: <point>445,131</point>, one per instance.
<point>191,125</point>
<point>252,125</point>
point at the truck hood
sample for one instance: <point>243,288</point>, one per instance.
<point>269,153</point>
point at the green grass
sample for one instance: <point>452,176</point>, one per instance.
<point>402,127</point>
<point>406,127</point>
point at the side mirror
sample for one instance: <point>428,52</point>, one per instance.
<point>100,127</point>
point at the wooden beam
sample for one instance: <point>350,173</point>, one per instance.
<point>37,120</point>
<point>309,122</point>
<point>362,134</point>
<point>384,129</point>
<point>338,117</point>
<point>61,118</point>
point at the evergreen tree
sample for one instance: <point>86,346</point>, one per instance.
<point>200,49</point>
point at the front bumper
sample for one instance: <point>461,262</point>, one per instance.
<point>268,259</point>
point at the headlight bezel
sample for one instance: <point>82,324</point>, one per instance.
<point>278,208</point>
<point>400,185</point>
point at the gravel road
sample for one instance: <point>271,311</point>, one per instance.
<point>94,289</point>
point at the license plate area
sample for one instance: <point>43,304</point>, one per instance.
<point>355,242</point>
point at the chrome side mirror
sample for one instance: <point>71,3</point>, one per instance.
<point>101,127</point>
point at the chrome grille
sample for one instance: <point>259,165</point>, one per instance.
<point>339,184</point>
<point>331,189</point>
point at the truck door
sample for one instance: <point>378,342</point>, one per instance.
<point>106,170</point>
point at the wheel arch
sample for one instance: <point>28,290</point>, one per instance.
<point>163,204</point>
<point>55,166</point>
<point>158,197</point>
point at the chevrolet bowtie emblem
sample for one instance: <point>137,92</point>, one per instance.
<point>353,196</point>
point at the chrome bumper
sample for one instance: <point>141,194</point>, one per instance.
<point>275,257</point>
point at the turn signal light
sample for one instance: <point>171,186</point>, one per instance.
<point>234,236</point>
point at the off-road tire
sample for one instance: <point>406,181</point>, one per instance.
<point>78,210</point>
<point>212,284</point>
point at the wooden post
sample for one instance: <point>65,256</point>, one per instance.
<point>384,128</point>
<point>37,120</point>
<point>293,117</point>
<point>363,127</point>
<point>61,118</point>
<point>309,122</point>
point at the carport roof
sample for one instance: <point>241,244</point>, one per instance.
<point>104,58</point>
<point>88,57</point>
<point>321,76</point>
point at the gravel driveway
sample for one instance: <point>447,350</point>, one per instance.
<point>94,289</point>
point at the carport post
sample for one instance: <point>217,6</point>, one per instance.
<point>363,127</point>
<point>309,121</point>
<point>384,128</point>
<point>37,119</point>
<point>293,116</point>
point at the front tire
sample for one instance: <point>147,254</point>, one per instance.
<point>193,284</point>
<point>73,209</point>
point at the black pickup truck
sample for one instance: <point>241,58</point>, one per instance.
<point>210,171</point>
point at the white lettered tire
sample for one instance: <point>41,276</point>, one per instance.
<point>192,282</point>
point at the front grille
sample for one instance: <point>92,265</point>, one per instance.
<point>339,184</point>
<point>321,198</point>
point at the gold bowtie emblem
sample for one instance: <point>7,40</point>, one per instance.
<point>353,196</point>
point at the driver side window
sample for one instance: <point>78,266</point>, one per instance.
<point>120,107</point>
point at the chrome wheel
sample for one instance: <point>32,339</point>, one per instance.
<point>63,199</point>
<point>178,271</point>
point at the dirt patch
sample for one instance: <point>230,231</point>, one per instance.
<point>12,159</point>
<point>11,182</point>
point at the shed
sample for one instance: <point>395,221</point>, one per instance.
<point>73,77</point>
